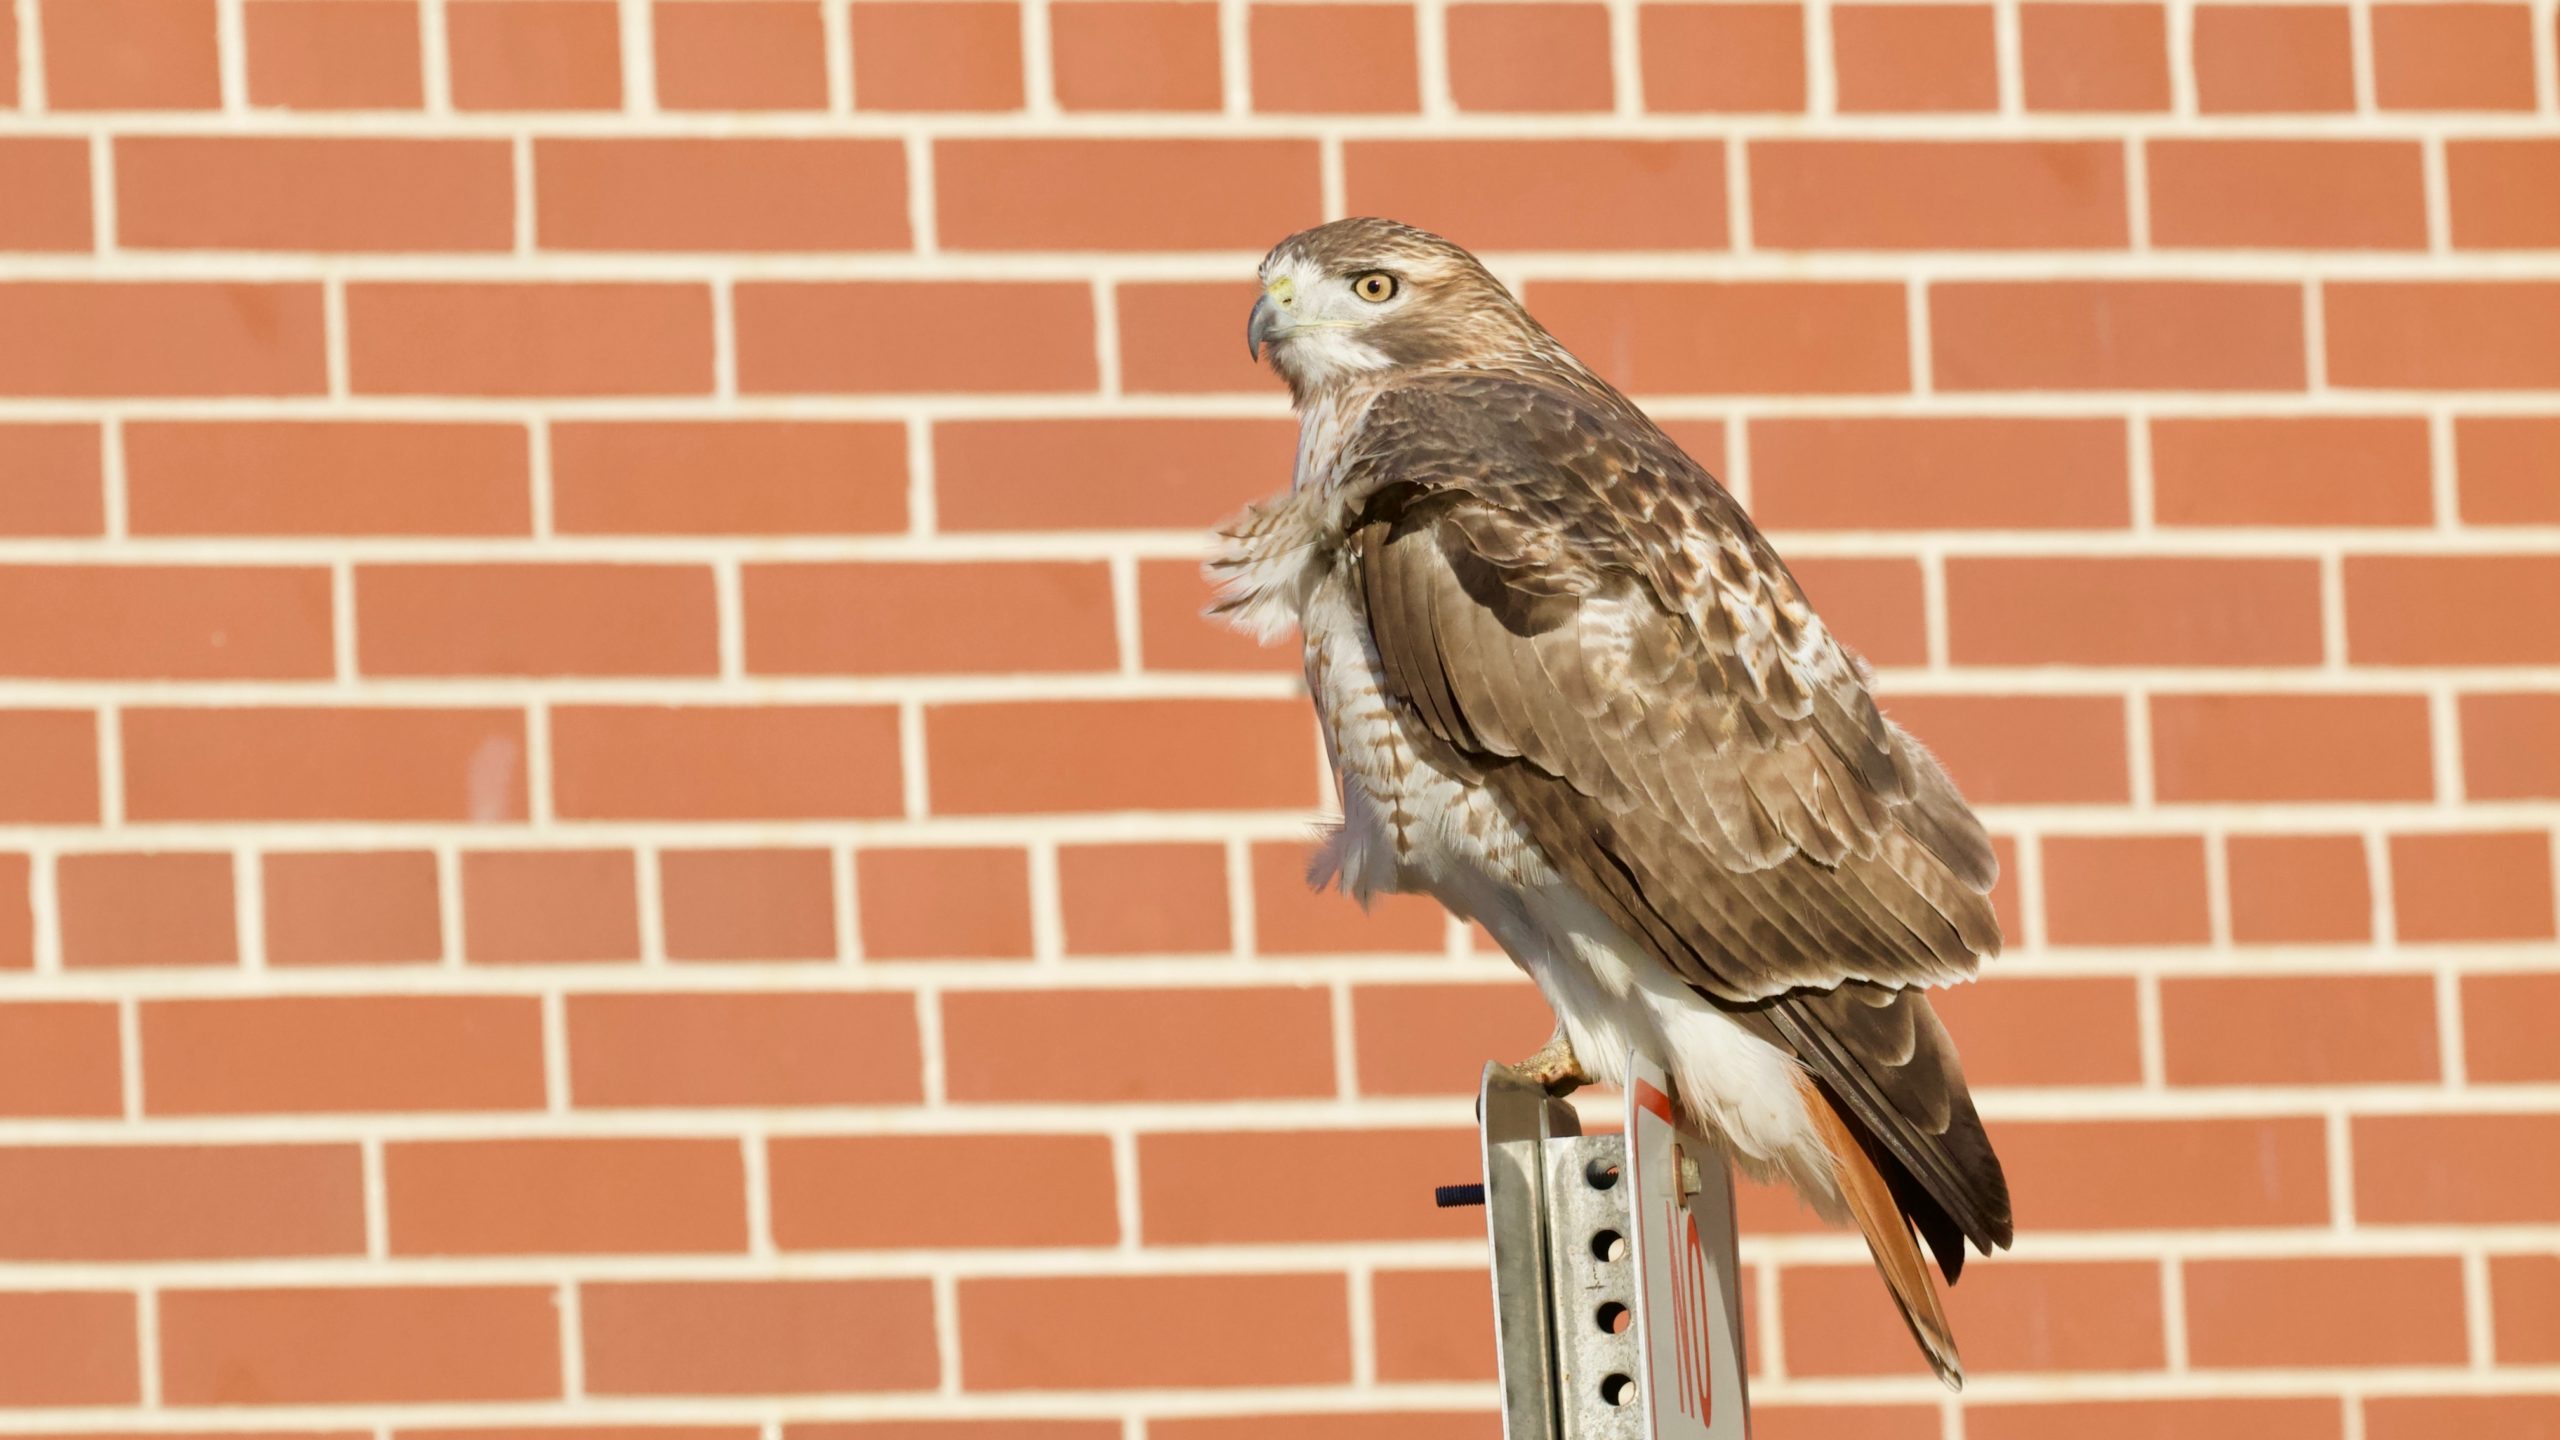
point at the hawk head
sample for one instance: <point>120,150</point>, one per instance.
<point>1364,295</point>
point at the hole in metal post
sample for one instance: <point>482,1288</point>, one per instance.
<point>1614,1318</point>
<point>1609,1245</point>
<point>1617,1390</point>
<point>1601,1174</point>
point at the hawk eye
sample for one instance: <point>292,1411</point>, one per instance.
<point>1377,287</point>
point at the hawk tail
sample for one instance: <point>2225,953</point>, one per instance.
<point>1889,1235</point>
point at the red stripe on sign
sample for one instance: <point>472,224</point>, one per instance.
<point>1650,1098</point>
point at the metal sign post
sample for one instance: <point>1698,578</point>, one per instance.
<point>1616,1293</point>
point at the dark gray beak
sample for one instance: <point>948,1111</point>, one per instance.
<point>1258,328</point>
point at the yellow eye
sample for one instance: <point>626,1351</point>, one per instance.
<point>1377,287</point>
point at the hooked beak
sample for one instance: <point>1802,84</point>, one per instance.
<point>1262,326</point>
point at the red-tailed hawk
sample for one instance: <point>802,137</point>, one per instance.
<point>1569,691</point>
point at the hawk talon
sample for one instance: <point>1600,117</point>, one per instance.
<point>1555,1068</point>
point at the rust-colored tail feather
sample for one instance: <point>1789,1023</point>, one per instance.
<point>1889,1237</point>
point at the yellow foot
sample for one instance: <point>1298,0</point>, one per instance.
<point>1555,1068</point>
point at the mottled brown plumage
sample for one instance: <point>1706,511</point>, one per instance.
<point>1577,678</point>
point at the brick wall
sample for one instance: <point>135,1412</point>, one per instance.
<point>614,811</point>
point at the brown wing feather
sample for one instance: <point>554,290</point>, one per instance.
<point>1579,612</point>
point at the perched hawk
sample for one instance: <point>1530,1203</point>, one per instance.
<point>1571,693</point>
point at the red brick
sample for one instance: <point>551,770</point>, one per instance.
<point>861,1192</point>
<point>1744,338</point>
<point>309,763</point>
<point>333,55</point>
<point>47,181</point>
<point>944,903</point>
<point>2116,335</point>
<point>172,338</point>
<point>345,1345</point>
<point>2428,610</point>
<point>332,1054</point>
<point>545,906</point>
<point>1122,194</point>
<point>2450,335</point>
<point>2024,749</point>
<point>1872,605</point>
<point>1032,757</point>
<point>1546,194</point>
<point>1333,1424</point>
<point>950,617</point>
<point>1264,1187</point>
<point>2472,886</point>
<point>1290,917</point>
<point>1135,55</point>
<point>954,1430</point>
<point>758,1337</point>
<point>48,767</point>
<point>2125,890</point>
<point>733,194</point>
<point>586,338</point>
<point>2511,746</point>
<point>187,192</point>
<point>1176,632</point>
<point>1364,63</point>
<point>326,478</point>
<point>351,908</point>
<point>2133,611</point>
<point>729,477</point>
<point>2013,1316</point>
<point>2453,57</point>
<point>1740,57</point>
<point>60,1058</point>
<point>2309,888</point>
<point>2457,1169</point>
<point>1533,57</point>
<point>907,336</point>
<point>9,58</point>
<point>180,1202</point>
<point>740,54</point>
<point>69,1347</point>
<point>2507,1025</point>
<point>748,904</point>
<point>725,762</point>
<point>2524,1293</point>
<point>1143,899</point>
<point>49,480</point>
<point>535,54</point>
<point>1117,1332</point>
<point>1938,195</point>
<point>758,1049</point>
<point>185,622</point>
<point>2425,1417</point>
<point>139,908</point>
<point>937,55</point>
<point>1846,1421</point>
<point>1181,339</point>
<point>130,55</point>
<point>2063,1030</point>
<point>2288,194</point>
<point>1914,57</point>
<point>2366,1310</point>
<point>536,619</point>
<point>2273,58</point>
<point>2301,747</point>
<point>2307,1418</point>
<point>17,913</point>
<point>2095,57</point>
<point>2270,471</point>
<point>1105,473</point>
<point>2092,1175</point>
<point>2300,1030</point>
<point>1435,1039</point>
<point>1433,1324</point>
<point>1228,1043</point>
<point>539,1431</point>
<point>1938,473</point>
<point>565,1196</point>
<point>2504,194</point>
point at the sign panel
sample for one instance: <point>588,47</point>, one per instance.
<point>1688,1314</point>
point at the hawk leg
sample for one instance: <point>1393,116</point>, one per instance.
<point>1555,1068</point>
